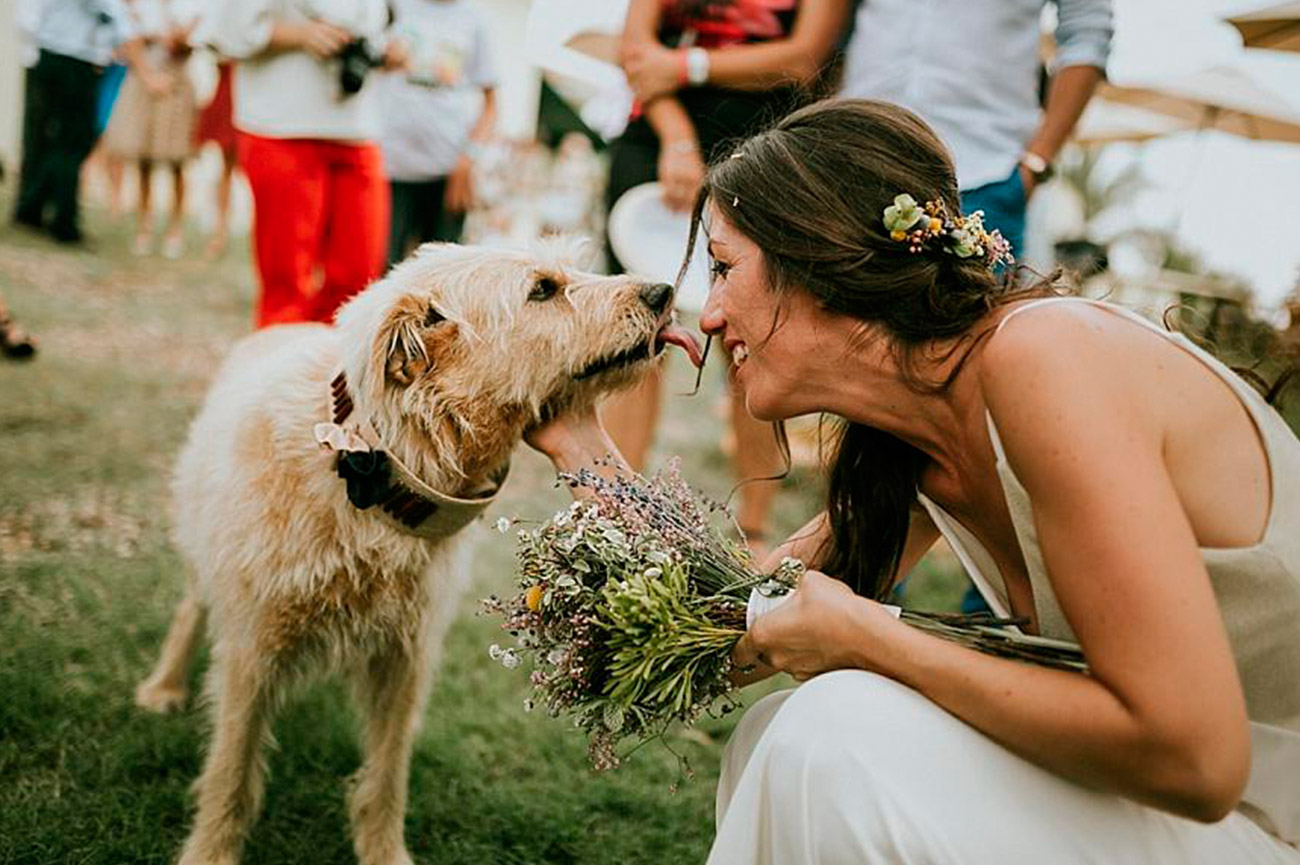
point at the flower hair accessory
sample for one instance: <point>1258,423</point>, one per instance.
<point>963,236</point>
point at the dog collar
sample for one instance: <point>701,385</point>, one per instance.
<point>375,477</point>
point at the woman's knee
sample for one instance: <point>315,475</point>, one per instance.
<point>847,719</point>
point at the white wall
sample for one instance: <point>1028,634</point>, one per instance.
<point>11,84</point>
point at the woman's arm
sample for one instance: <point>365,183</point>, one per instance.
<point>681,166</point>
<point>655,70</point>
<point>1161,718</point>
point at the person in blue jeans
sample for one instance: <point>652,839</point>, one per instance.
<point>971,69</point>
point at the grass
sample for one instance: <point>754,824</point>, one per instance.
<point>88,581</point>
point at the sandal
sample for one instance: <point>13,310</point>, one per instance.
<point>14,341</point>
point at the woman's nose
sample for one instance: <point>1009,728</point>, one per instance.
<point>711,319</point>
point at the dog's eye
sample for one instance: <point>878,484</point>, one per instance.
<point>544,288</point>
<point>433,317</point>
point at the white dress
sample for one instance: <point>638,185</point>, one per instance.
<point>853,767</point>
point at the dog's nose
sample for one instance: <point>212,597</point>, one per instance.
<point>657,296</point>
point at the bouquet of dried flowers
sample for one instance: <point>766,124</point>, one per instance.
<point>630,603</point>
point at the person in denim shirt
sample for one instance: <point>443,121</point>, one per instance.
<point>970,68</point>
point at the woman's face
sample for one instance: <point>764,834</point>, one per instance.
<point>770,338</point>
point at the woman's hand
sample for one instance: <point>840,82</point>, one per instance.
<point>652,70</point>
<point>824,626</point>
<point>681,171</point>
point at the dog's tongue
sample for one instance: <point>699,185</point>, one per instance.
<point>675,334</point>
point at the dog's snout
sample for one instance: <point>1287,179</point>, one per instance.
<point>657,296</point>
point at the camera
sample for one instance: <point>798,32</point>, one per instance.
<point>356,59</point>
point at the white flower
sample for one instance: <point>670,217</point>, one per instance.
<point>509,659</point>
<point>503,525</point>
<point>528,705</point>
<point>965,244</point>
<point>555,656</point>
<point>494,652</point>
<point>903,214</point>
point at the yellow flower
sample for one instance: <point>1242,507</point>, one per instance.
<point>898,235</point>
<point>936,224</point>
<point>533,598</point>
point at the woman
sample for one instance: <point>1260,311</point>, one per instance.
<point>1102,478</point>
<point>706,75</point>
<point>147,127</point>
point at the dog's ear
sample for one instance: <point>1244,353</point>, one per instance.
<point>415,335</point>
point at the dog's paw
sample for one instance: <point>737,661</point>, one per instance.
<point>389,856</point>
<point>158,697</point>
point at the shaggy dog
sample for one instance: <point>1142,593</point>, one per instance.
<point>309,551</point>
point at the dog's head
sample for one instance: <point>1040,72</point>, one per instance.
<point>466,346</point>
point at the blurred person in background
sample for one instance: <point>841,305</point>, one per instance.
<point>307,119</point>
<point>973,73</point>
<point>437,114</point>
<point>216,124</point>
<point>15,343</point>
<point>75,40</point>
<point>110,87</point>
<point>706,75</point>
<point>149,128</point>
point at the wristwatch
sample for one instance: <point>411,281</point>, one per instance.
<point>697,66</point>
<point>1039,168</point>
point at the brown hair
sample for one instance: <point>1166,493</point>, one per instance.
<point>811,193</point>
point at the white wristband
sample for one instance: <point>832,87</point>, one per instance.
<point>697,66</point>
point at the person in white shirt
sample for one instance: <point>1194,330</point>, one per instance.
<point>145,129</point>
<point>436,114</point>
<point>971,70</point>
<point>307,114</point>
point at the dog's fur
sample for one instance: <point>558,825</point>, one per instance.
<point>453,354</point>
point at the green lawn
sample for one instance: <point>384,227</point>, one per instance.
<point>88,579</point>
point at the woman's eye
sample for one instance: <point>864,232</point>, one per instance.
<point>719,269</point>
<point>544,288</point>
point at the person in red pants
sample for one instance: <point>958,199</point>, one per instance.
<point>307,122</point>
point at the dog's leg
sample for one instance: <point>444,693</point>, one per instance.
<point>230,789</point>
<point>391,689</point>
<point>166,687</point>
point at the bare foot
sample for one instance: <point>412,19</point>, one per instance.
<point>15,342</point>
<point>173,246</point>
<point>216,246</point>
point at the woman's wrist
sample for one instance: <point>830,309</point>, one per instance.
<point>885,645</point>
<point>681,147</point>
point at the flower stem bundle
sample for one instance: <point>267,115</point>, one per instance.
<point>630,602</point>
